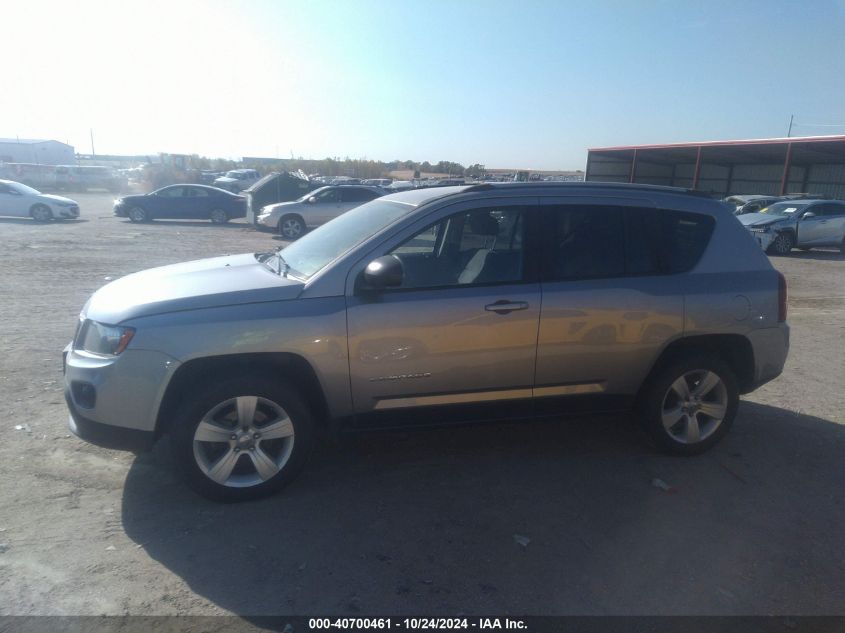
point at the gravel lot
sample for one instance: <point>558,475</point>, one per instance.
<point>420,522</point>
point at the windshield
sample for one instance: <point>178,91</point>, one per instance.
<point>24,189</point>
<point>312,252</point>
<point>784,208</point>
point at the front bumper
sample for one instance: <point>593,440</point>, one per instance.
<point>114,401</point>
<point>764,239</point>
<point>66,212</point>
<point>266,221</point>
<point>105,435</point>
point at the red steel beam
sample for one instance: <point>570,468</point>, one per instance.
<point>787,163</point>
<point>697,168</point>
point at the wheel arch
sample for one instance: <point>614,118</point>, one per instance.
<point>287,366</point>
<point>292,214</point>
<point>734,349</point>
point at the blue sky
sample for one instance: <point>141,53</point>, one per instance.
<point>527,84</point>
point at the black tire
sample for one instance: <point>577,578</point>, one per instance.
<point>138,214</point>
<point>782,244</point>
<point>291,227</point>
<point>218,216</point>
<point>203,399</point>
<point>41,213</point>
<point>657,398</point>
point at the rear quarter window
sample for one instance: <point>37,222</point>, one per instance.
<point>685,236</point>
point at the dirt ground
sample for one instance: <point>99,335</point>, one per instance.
<point>421,522</point>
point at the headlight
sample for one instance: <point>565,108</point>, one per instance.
<point>99,338</point>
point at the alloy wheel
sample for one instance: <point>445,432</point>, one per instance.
<point>291,228</point>
<point>243,441</point>
<point>694,406</point>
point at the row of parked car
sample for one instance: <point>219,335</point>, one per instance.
<point>781,223</point>
<point>64,177</point>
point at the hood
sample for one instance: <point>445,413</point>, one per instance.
<point>279,206</point>
<point>50,196</point>
<point>131,197</point>
<point>226,179</point>
<point>761,219</point>
<point>204,283</point>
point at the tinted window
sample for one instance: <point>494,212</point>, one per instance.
<point>684,238</point>
<point>358,195</point>
<point>172,192</point>
<point>329,195</point>
<point>602,241</point>
<point>584,242</point>
<point>481,246</point>
<point>196,192</point>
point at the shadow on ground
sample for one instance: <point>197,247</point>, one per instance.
<point>424,522</point>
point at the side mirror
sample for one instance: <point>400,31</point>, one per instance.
<point>809,214</point>
<point>384,272</point>
<point>312,200</point>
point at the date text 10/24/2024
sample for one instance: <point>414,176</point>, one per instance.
<point>416,623</point>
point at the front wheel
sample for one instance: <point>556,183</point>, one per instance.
<point>782,244</point>
<point>137,214</point>
<point>242,438</point>
<point>41,213</point>
<point>291,227</point>
<point>690,405</point>
<point>219,216</point>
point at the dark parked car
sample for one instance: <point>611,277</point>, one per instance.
<point>184,202</point>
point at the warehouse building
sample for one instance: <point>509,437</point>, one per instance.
<point>36,151</point>
<point>812,164</point>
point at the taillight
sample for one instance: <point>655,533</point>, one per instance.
<point>781,298</point>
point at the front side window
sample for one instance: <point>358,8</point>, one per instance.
<point>170,192</point>
<point>329,195</point>
<point>481,246</point>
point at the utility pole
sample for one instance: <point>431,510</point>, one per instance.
<point>93,153</point>
<point>789,132</point>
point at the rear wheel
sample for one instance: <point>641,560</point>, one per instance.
<point>219,216</point>
<point>242,438</point>
<point>137,214</point>
<point>41,213</point>
<point>291,227</point>
<point>782,244</point>
<point>688,406</point>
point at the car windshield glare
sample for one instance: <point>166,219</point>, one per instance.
<point>315,250</point>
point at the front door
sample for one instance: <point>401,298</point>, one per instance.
<point>824,228</point>
<point>12,201</point>
<point>462,328</point>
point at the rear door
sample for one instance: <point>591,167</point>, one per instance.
<point>607,309</point>
<point>196,203</point>
<point>462,328</point>
<point>351,197</point>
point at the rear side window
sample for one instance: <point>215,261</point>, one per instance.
<point>358,195</point>
<point>684,238</point>
<point>589,242</point>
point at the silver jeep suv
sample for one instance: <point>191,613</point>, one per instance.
<point>432,306</point>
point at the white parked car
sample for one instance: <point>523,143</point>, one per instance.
<point>317,207</point>
<point>237,180</point>
<point>19,200</point>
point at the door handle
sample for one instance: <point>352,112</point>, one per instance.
<point>503,306</point>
